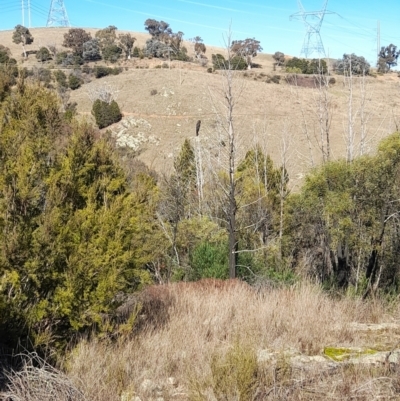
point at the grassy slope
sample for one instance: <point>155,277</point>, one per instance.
<point>265,113</point>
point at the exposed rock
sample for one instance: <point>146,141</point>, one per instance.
<point>374,326</point>
<point>133,133</point>
<point>129,396</point>
<point>351,355</point>
<point>172,381</point>
<point>148,386</point>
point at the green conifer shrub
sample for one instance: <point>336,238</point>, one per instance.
<point>106,113</point>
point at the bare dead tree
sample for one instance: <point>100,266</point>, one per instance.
<point>350,116</point>
<point>225,153</point>
<point>323,112</point>
<point>304,126</point>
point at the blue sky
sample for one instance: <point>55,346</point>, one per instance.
<point>351,28</point>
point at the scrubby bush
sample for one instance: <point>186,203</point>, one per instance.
<point>235,63</point>
<point>274,79</point>
<point>43,54</point>
<point>74,82</point>
<point>6,81</point>
<point>102,71</point>
<point>4,54</point>
<point>68,59</point>
<point>234,375</point>
<point>60,78</point>
<point>137,52</point>
<point>86,69</point>
<point>106,113</point>
<point>180,54</point>
<point>70,111</point>
<point>112,53</point>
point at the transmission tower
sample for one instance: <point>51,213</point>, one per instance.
<point>313,21</point>
<point>57,14</point>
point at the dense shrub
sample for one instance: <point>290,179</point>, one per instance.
<point>180,55</point>
<point>91,50</point>
<point>60,78</point>
<point>209,261</point>
<point>68,59</point>
<point>275,79</point>
<point>112,53</point>
<point>136,52</point>
<point>279,58</point>
<point>74,82</point>
<point>6,81</point>
<point>156,48</point>
<point>43,54</point>
<point>303,66</point>
<point>4,54</point>
<point>68,229</point>
<point>106,113</point>
<point>235,63</point>
<point>102,71</point>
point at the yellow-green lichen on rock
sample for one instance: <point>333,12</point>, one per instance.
<point>340,354</point>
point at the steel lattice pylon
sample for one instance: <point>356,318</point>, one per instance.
<point>57,14</point>
<point>313,21</point>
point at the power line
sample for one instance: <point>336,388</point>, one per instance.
<point>58,14</point>
<point>312,41</point>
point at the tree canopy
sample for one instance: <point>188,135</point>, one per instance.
<point>157,29</point>
<point>75,38</point>
<point>247,48</point>
<point>388,58</point>
<point>22,35</point>
<point>352,64</point>
<point>126,41</point>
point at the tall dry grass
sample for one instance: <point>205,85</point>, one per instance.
<point>194,324</point>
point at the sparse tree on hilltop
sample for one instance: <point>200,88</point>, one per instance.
<point>75,38</point>
<point>106,36</point>
<point>23,36</point>
<point>388,58</point>
<point>247,49</point>
<point>279,58</point>
<point>157,29</point>
<point>199,47</point>
<point>357,65</point>
<point>126,42</point>
<point>174,40</point>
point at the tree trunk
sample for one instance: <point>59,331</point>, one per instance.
<point>233,244</point>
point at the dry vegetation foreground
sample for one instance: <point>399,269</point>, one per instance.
<point>214,340</point>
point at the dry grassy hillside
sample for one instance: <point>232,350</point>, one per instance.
<point>162,105</point>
